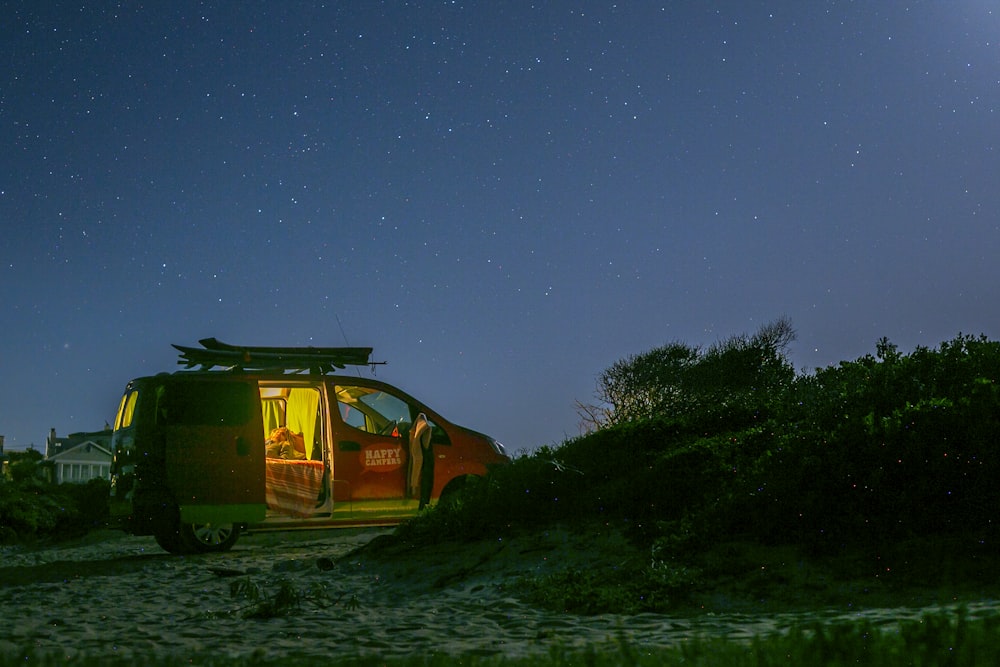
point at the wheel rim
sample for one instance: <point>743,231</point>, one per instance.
<point>211,534</point>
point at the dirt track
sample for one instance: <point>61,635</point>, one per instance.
<point>114,593</point>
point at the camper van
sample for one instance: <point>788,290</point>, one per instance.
<point>269,438</point>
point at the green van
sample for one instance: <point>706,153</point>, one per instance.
<point>273,438</point>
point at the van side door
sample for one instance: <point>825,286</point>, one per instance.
<point>370,443</point>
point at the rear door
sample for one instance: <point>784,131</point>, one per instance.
<point>214,449</point>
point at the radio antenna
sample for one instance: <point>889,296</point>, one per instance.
<point>342,332</point>
<point>347,342</point>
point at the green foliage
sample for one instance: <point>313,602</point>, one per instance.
<point>25,465</point>
<point>32,509</point>
<point>855,458</point>
<point>741,375</point>
<point>883,449</point>
<point>638,473</point>
<point>647,384</point>
<point>28,510</point>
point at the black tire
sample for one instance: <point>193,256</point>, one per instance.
<point>169,541</point>
<point>452,489</point>
<point>165,528</point>
<point>197,538</point>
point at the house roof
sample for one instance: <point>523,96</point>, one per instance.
<point>84,452</point>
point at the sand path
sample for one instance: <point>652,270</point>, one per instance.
<point>118,594</point>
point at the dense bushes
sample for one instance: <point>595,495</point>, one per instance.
<point>882,460</point>
<point>888,447</point>
<point>636,474</point>
<point>884,449</point>
<point>32,509</point>
<point>742,374</point>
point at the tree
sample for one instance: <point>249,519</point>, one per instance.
<point>740,373</point>
<point>25,464</point>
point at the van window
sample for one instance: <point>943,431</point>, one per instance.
<point>372,410</point>
<point>204,403</point>
<point>126,410</point>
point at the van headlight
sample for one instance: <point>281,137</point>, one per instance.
<point>499,448</point>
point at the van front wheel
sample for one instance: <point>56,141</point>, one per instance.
<point>208,537</point>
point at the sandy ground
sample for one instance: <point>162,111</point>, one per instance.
<point>112,593</point>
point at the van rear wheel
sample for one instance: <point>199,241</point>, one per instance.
<point>208,537</point>
<point>169,541</point>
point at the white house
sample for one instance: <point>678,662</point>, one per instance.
<point>79,457</point>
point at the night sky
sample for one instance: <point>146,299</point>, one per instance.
<point>502,198</point>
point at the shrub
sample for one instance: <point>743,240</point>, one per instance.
<point>883,448</point>
<point>742,374</point>
<point>32,509</point>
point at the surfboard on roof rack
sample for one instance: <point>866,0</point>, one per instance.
<point>318,360</point>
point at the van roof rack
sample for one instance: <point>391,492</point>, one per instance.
<point>316,360</point>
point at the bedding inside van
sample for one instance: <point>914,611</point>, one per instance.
<point>293,487</point>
